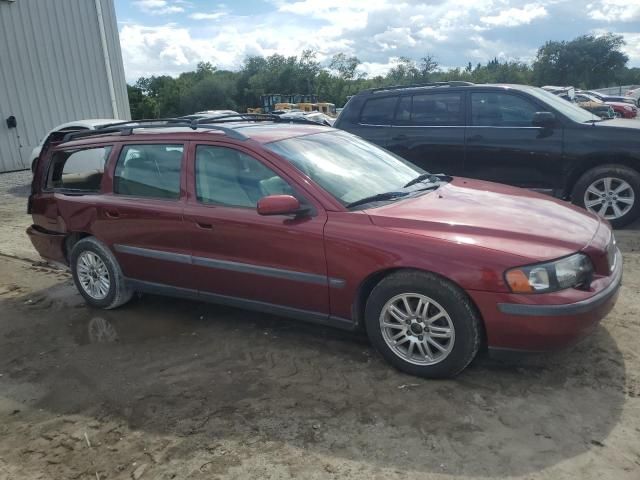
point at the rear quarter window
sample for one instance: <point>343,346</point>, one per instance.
<point>78,170</point>
<point>378,111</point>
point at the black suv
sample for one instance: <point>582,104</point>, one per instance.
<point>514,134</point>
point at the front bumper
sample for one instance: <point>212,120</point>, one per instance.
<point>545,322</point>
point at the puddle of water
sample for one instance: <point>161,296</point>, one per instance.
<point>136,322</point>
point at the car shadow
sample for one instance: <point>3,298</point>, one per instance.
<point>202,373</point>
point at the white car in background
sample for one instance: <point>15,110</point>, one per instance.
<point>635,94</point>
<point>90,124</point>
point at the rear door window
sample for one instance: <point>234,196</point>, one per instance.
<point>437,109</point>
<point>151,171</point>
<point>495,109</point>
<point>78,170</point>
<point>378,111</point>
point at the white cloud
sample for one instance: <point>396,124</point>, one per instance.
<point>392,38</point>
<point>159,7</point>
<point>207,16</point>
<point>615,10</point>
<point>171,49</point>
<point>453,31</point>
<point>513,17</point>
<point>632,48</point>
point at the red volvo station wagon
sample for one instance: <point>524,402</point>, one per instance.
<point>313,223</point>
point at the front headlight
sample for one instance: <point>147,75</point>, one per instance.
<point>568,272</point>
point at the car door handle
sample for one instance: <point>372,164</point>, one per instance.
<point>112,214</point>
<point>475,138</point>
<point>204,226</point>
<point>399,137</point>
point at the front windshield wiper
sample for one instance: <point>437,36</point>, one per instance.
<point>433,178</point>
<point>379,197</point>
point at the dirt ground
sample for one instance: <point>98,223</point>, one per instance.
<point>164,389</point>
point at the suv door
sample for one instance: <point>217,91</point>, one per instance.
<point>374,120</point>
<point>502,144</point>
<point>428,130</point>
<point>141,220</point>
<point>241,255</point>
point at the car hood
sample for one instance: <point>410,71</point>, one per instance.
<point>533,226</point>
<point>626,123</point>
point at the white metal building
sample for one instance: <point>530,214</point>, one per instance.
<point>60,61</point>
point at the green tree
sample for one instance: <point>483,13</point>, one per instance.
<point>587,61</point>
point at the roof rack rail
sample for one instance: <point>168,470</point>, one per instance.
<point>452,83</point>
<point>126,128</point>
<point>253,117</point>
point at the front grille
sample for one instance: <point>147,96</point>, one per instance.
<point>611,253</point>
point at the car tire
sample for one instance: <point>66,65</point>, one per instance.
<point>623,207</point>
<point>97,275</point>
<point>449,308</point>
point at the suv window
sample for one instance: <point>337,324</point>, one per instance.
<point>225,176</point>
<point>378,111</point>
<point>80,170</point>
<point>495,109</point>
<point>437,109</point>
<point>149,171</point>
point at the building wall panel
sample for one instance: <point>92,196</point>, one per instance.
<point>52,70</point>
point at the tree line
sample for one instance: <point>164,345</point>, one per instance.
<point>585,62</point>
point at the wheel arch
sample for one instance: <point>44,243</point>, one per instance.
<point>71,240</point>
<point>369,283</point>
<point>598,161</point>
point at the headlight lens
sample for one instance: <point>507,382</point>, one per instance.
<point>568,272</point>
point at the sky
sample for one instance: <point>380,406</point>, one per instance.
<point>168,37</point>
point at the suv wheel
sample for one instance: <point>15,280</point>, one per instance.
<point>422,324</point>
<point>610,191</point>
<point>97,275</point>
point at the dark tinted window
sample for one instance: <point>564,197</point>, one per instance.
<point>149,171</point>
<point>229,177</point>
<point>81,170</point>
<point>403,115</point>
<point>497,109</point>
<point>437,109</point>
<point>378,111</point>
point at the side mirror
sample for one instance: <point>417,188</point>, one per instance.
<point>280,205</point>
<point>543,119</point>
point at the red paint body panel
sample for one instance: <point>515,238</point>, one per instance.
<point>469,232</point>
<point>493,216</point>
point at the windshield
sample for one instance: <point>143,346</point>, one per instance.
<point>568,109</point>
<point>348,167</point>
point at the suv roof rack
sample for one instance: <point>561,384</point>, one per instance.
<point>452,83</point>
<point>127,128</point>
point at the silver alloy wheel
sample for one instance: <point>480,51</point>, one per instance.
<point>93,275</point>
<point>417,329</point>
<point>609,197</point>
